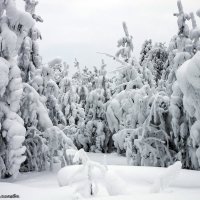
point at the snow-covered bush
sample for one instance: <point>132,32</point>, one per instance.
<point>57,143</point>
<point>151,141</point>
<point>86,177</point>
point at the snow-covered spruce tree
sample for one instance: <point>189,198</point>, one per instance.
<point>129,94</point>
<point>128,72</point>
<point>187,80</point>
<point>154,144</point>
<point>147,142</point>
<point>181,49</point>
<point>195,33</point>
<point>125,45</point>
<point>29,59</point>
<point>95,135</point>
<point>14,25</point>
<point>72,104</point>
<point>143,126</point>
<point>128,110</point>
<point>72,100</point>
<point>55,113</point>
<point>144,53</point>
<point>131,72</point>
<point>184,122</point>
<point>33,106</point>
<point>46,81</point>
<point>156,60</point>
<point>36,120</point>
<point>59,70</point>
<point>68,100</point>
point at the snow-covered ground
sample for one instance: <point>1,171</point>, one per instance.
<point>109,159</point>
<point>130,182</point>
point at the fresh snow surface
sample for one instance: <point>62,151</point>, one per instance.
<point>109,159</point>
<point>126,182</point>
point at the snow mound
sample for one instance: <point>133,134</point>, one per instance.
<point>91,178</point>
<point>77,177</point>
<point>167,178</point>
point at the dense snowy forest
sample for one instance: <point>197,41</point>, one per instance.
<point>148,110</point>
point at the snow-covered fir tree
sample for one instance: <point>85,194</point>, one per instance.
<point>14,26</point>
<point>93,92</point>
<point>157,57</point>
<point>146,47</point>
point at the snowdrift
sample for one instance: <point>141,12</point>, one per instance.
<point>133,175</point>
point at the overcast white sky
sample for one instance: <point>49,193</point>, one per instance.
<point>80,28</point>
